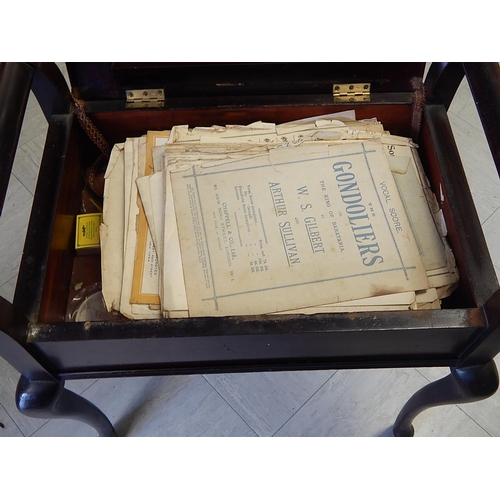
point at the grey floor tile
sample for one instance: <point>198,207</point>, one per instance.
<point>478,165</point>
<point>447,421</point>
<point>8,383</point>
<point>9,378</point>
<point>491,231</point>
<point>267,400</point>
<point>27,161</point>
<point>157,406</point>
<point>8,428</point>
<point>434,373</point>
<point>486,413</point>
<point>13,224</point>
<point>366,403</point>
<point>31,144</point>
<point>80,386</point>
<point>464,107</point>
<point>34,122</point>
<point>7,289</point>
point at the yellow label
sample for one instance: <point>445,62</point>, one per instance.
<point>87,230</point>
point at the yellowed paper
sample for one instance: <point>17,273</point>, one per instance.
<point>208,151</point>
<point>424,215</point>
<point>293,231</point>
<point>146,277</point>
<point>174,289</point>
<point>145,271</point>
<point>394,302</point>
<point>429,241</point>
<point>133,311</point>
<point>112,229</point>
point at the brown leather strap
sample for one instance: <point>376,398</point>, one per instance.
<point>417,110</point>
<point>90,129</point>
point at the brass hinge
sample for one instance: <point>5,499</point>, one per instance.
<point>146,98</point>
<point>351,92</point>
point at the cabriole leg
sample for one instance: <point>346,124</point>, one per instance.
<point>49,399</point>
<point>463,385</point>
<point>39,392</point>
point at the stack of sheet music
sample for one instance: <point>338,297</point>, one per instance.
<point>321,215</point>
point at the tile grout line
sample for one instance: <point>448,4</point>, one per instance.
<point>480,130</point>
<point>43,425</point>
<point>36,115</point>
<point>475,421</point>
<point>50,419</point>
<point>305,402</point>
<point>17,271</point>
<point>24,186</point>
<point>5,282</point>
<point>456,405</point>
<point>15,423</point>
<point>230,406</point>
<point>488,218</point>
<point>86,389</point>
<point>12,174</point>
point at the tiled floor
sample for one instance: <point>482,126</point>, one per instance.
<point>323,403</point>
